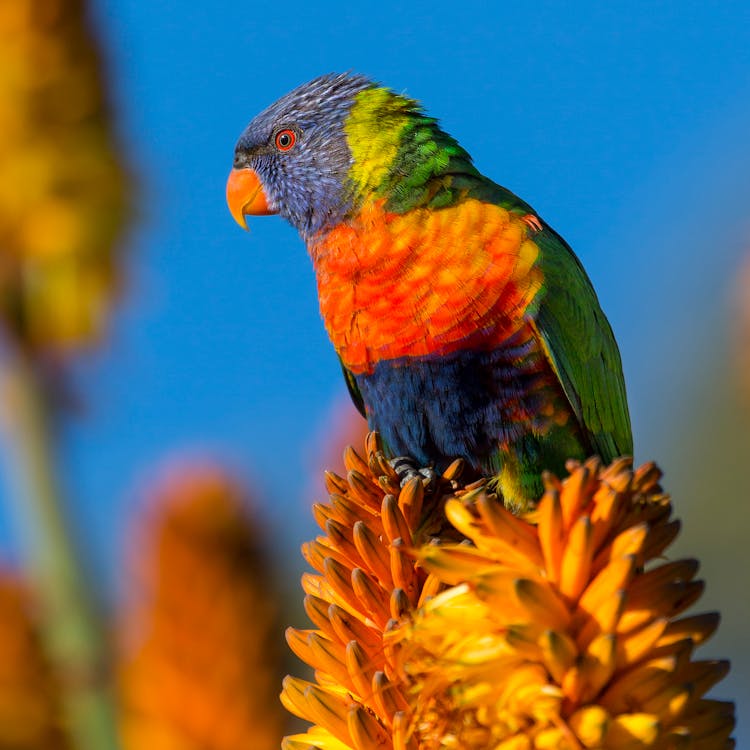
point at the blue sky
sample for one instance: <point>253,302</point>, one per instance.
<point>624,124</point>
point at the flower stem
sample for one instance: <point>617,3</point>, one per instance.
<point>70,629</point>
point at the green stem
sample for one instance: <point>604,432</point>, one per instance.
<point>71,632</point>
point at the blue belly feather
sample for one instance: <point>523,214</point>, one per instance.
<point>467,404</point>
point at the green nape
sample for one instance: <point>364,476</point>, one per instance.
<point>425,168</point>
<point>401,154</point>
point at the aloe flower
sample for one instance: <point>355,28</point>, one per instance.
<point>457,624</point>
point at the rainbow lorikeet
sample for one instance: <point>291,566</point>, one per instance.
<point>465,325</point>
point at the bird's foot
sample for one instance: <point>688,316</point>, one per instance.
<point>406,468</point>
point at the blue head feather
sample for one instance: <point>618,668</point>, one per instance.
<point>307,185</point>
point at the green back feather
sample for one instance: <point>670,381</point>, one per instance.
<point>579,343</point>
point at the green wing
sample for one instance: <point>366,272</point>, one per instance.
<point>581,348</point>
<point>353,388</point>
<point>572,331</point>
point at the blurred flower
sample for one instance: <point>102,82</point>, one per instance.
<point>62,187</point>
<point>557,630</point>
<point>30,707</point>
<point>201,663</point>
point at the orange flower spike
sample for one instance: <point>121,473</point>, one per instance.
<point>340,581</point>
<point>646,478</point>
<point>335,483</point>
<point>629,542</point>
<point>615,577</point>
<point>402,739</point>
<point>311,553</point>
<point>576,562</point>
<point>510,545</point>
<point>322,514</point>
<point>598,665</point>
<point>703,675</point>
<point>590,724</point>
<point>359,668</point>
<point>410,501</point>
<point>341,541</point>
<point>337,546</point>
<point>394,523</point>
<point>573,496</point>
<point>660,537</point>
<point>716,718</point>
<point>640,684</point>
<point>551,533</point>
<point>366,731</point>
<point>431,587</point>
<point>373,553</point>
<point>659,581</point>
<point>507,527</point>
<point>349,628</point>
<point>604,515</point>
<point>317,610</point>
<point>329,710</point>
<point>297,641</point>
<point>669,703</point>
<point>454,563</point>
<point>405,577</point>
<point>632,731</point>
<point>388,697</point>
<point>354,462</point>
<point>366,492</point>
<point>544,606</point>
<point>323,741</point>
<point>293,695</point>
<point>371,597</point>
<point>380,467</point>
<point>674,599</point>
<point>618,475</point>
<point>399,607</point>
<point>559,653</point>
<point>350,512</point>
<point>325,657</point>
<point>603,619</point>
<point>697,629</point>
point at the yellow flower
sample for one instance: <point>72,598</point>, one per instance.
<point>559,630</point>
<point>62,187</point>
<point>30,705</point>
<point>201,660</point>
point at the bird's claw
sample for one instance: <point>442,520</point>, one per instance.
<point>406,469</point>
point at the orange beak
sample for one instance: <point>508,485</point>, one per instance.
<point>245,195</point>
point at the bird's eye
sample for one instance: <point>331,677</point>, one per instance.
<point>285,139</point>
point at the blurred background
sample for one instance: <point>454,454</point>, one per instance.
<point>624,124</point>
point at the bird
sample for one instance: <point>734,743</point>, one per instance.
<point>466,327</point>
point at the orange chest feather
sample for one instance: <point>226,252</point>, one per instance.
<point>429,282</point>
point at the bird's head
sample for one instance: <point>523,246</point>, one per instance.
<point>293,158</point>
<point>317,153</point>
